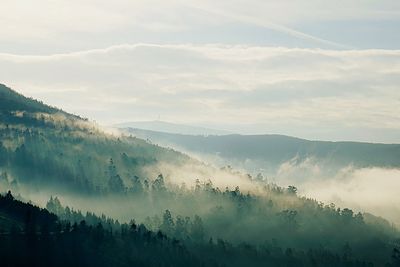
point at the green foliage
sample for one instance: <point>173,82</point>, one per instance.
<point>277,218</point>
<point>219,253</point>
<point>46,149</point>
<point>12,101</point>
<point>46,241</point>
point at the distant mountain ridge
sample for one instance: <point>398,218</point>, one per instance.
<point>277,149</point>
<point>47,151</point>
<point>168,127</point>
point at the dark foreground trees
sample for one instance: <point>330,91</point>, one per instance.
<point>30,236</point>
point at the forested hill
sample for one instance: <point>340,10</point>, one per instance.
<point>47,151</point>
<point>41,146</point>
<point>31,236</point>
<point>11,101</point>
<point>267,150</point>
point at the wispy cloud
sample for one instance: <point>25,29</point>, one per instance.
<point>72,25</point>
<point>268,24</point>
<point>279,89</point>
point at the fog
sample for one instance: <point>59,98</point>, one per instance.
<point>188,174</point>
<point>180,178</point>
<point>374,190</point>
<point>368,190</point>
<point>269,213</point>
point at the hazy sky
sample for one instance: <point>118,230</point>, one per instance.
<point>314,69</point>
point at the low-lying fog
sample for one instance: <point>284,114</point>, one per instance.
<point>373,190</point>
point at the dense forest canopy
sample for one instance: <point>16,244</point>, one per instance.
<point>35,237</point>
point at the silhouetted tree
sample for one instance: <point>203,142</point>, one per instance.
<point>292,190</point>
<point>167,225</point>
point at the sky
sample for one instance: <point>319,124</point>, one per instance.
<point>321,70</point>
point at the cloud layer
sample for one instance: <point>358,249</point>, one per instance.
<point>73,25</point>
<point>313,93</point>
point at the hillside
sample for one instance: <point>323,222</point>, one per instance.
<point>168,127</point>
<point>36,237</point>
<point>45,147</point>
<point>186,213</point>
<point>11,101</point>
<point>269,151</point>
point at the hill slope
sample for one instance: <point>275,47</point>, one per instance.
<point>36,237</point>
<point>168,127</point>
<point>12,101</point>
<point>41,146</point>
<point>44,149</point>
<point>272,150</point>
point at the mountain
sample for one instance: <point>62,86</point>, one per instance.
<point>12,101</point>
<point>169,127</point>
<point>45,147</point>
<point>180,212</point>
<point>268,152</point>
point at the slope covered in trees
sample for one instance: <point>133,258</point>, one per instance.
<point>200,224</point>
<point>12,101</point>
<point>41,146</point>
<point>36,237</point>
<point>276,221</point>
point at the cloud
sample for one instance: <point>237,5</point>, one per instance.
<point>311,10</point>
<point>72,25</point>
<point>262,22</point>
<point>276,89</point>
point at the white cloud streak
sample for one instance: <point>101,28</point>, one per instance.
<point>270,25</point>
<point>280,89</point>
<point>71,25</point>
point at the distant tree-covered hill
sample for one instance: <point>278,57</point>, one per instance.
<point>169,127</point>
<point>269,151</point>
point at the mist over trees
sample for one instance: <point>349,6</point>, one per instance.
<point>33,236</point>
<point>126,213</point>
<point>267,152</point>
<point>45,147</point>
<point>278,218</point>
